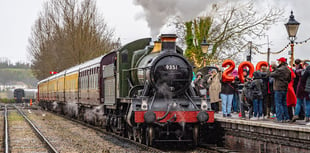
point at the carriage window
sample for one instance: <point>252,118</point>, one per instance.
<point>82,84</point>
<point>95,82</point>
<point>90,82</point>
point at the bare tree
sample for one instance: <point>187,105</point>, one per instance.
<point>66,33</point>
<point>230,28</point>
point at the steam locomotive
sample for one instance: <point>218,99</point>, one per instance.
<point>140,91</point>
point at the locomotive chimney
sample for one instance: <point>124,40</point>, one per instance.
<point>168,42</point>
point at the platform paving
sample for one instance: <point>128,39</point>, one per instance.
<point>299,125</point>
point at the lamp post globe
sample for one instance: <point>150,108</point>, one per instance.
<point>204,47</point>
<point>292,27</point>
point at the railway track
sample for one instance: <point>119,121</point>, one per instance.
<point>201,148</point>
<point>102,130</point>
<point>30,122</point>
<point>6,131</point>
<point>21,135</point>
<point>117,138</point>
<point>2,128</point>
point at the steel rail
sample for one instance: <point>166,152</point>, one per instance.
<point>6,131</point>
<point>49,146</point>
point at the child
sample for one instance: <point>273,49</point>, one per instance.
<point>256,86</point>
<point>246,99</point>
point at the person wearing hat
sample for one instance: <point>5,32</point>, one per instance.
<point>282,77</point>
<point>298,65</point>
<point>214,82</point>
<point>199,83</point>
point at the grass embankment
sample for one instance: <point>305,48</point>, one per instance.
<point>4,98</point>
<point>14,75</point>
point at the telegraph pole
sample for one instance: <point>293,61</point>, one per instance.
<point>268,50</point>
<point>249,57</point>
<point>268,55</point>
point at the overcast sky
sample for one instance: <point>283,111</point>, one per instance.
<point>18,16</point>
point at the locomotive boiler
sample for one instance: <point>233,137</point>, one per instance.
<point>140,91</point>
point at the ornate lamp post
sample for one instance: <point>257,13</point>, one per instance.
<point>292,28</point>
<point>204,47</point>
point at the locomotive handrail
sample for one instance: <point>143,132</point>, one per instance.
<point>166,114</point>
<point>125,70</point>
<point>191,100</point>
<point>153,99</point>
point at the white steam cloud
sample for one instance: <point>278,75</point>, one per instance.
<point>158,12</point>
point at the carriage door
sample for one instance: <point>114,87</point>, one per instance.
<point>109,85</point>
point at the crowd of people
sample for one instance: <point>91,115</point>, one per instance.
<point>278,92</point>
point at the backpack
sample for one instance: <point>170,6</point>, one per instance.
<point>256,87</point>
<point>307,88</point>
<point>247,92</point>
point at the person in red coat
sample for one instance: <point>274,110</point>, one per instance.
<point>291,98</point>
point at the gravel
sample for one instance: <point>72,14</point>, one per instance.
<point>68,136</point>
<point>21,136</point>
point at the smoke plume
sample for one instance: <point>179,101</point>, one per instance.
<point>71,109</point>
<point>158,12</point>
<point>95,115</point>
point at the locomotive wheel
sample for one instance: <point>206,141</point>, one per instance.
<point>141,137</point>
<point>130,133</point>
<point>149,136</point>
<point>195,135</point>
<point>138,135</point>
<point>135,135</point>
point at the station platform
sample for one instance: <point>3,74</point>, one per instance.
<point>299,125</point>
<point>264,135</point>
